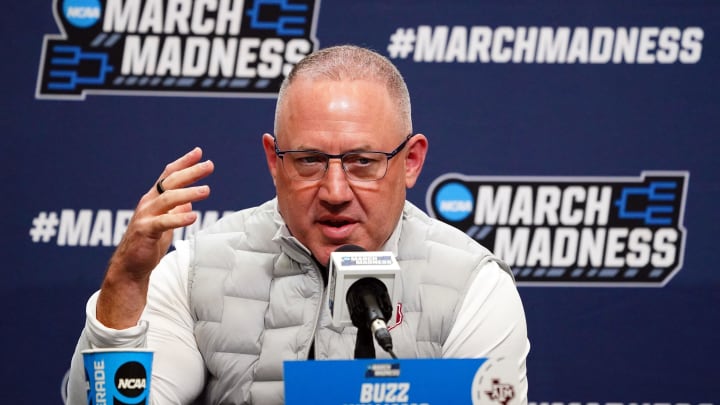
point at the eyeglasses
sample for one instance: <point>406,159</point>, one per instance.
<point>309,165</point>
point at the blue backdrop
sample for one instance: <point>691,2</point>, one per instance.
<point>555,97</point>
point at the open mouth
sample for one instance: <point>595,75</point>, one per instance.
<point>335,224</point>
<point>337,229</point>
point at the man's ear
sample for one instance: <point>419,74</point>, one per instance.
<point>415,158</point>
<point>269,147</point>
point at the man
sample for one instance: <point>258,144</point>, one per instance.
<point>223,311</point>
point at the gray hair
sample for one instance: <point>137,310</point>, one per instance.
<point>349,62</point>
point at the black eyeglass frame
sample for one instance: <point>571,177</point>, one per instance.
<point>389,155</point>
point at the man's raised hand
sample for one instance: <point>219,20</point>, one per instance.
<point>167,205</point>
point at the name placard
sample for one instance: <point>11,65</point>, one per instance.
<point>401,382</point>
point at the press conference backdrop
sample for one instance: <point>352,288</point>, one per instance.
<point>578,140</point>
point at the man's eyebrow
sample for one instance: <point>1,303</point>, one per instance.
<point>364,148</point>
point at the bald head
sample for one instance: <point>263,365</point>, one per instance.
<point>350,63</point>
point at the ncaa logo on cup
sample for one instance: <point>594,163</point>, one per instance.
<point>130,379</point>
<point>118,376</point>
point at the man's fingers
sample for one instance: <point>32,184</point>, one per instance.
<point>168,205</point>
<point>171,199</point>
<point>171,221</point>
<point>183,162</point>
<point>181,208</point>
<point>184,177</point>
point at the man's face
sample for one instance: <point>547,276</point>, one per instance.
<point>337,117</point>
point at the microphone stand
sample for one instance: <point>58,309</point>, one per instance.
<point>364,344</point>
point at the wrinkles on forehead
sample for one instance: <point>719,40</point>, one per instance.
<point>337,107</point>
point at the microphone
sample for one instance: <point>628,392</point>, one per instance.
<point>360,286</point>
<point>370,307</point>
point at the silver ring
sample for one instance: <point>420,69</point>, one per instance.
<point>159,187</point>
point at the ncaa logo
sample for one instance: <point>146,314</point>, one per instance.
<point>454,201</point>
<point>82,13</point>
<point>131,382</point>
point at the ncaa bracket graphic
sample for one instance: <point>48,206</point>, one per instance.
<point>214,48</point>
<point>584,231</point>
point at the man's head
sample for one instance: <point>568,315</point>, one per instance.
<point>342,100</point>
<point>347,62</point>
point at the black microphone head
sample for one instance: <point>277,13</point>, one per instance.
<point>348,248</point>
<point>351,248</point>
<point>367,299</point>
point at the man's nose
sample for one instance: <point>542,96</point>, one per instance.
<point>334,187</point>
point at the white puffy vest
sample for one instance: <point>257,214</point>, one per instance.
<point>257,297</point>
